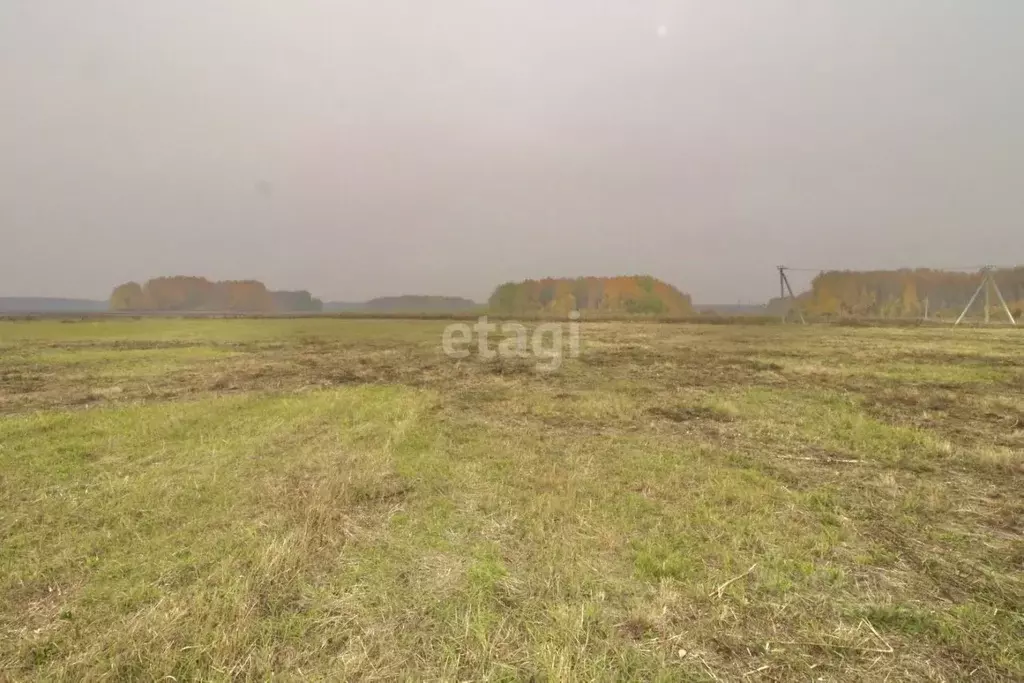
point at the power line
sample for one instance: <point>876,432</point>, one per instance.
<point>804,269</point>
<point>784,287</point>
<point>988,285</point>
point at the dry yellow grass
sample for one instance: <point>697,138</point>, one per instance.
<point>329,499</point>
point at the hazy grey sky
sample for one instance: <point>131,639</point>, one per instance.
<point>377,147</point>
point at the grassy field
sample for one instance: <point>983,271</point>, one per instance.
<point>330,499</point>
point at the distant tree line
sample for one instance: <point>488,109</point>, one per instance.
<point>906,293</point>
<point>421,303</point>
<point>637,294</point>
<point>186,293</point>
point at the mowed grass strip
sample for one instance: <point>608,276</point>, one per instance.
<point>174,539</point>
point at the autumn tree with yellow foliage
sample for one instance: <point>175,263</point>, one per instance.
<point>188,293</point>
<point>637,295</point>
<point>905,293</point>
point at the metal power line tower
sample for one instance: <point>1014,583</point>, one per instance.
<point>988,285</point>
<point>783,288</point>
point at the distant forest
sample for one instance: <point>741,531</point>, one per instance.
<point>39,304</point>
<point>185,293</point>
<point>906,293</point>
<point>636,295</point>
<point>405,304</point>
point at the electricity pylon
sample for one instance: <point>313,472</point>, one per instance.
<point>783,287</point>
<point>988,284</point>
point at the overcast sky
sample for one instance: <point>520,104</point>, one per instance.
<point>375,147</point>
